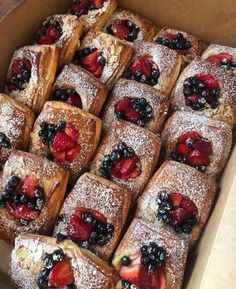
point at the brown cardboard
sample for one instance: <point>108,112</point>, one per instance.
<point>212,263</point>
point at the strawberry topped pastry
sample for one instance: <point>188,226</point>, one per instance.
<point>50,32</point>
<point>82,7</point>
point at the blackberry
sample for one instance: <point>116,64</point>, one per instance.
<point>39,203</point>
<point>201,168</point>
<point>48,261</point>
<point>42,282</point>
<point>125,261</point>
<point>86,245</point>
<point>66,95</point>
<point>23,199</point>
<point>13,181</point>
<point>6,196</point>
<point>58,255</point>
<point>178,43</point>
<point>187,226</point>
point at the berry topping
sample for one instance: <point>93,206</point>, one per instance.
<point>223,59</point>
<point>124,29</point>
<point>143,70</point>
<point>200,90</point>
<point>178,211</point>
<point>82,7</point>
<point>50,32</point>
<point>61,140</point>
<point>135,110</point>
<point>193,150</point>
<point>176,42</point>
<point>122,163</point>
<point>4,141</point>
<point>20,74</point>
<point>91,59</point>
<point>69,96</point>
<point>61,274</point>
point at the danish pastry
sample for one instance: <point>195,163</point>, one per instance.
<point>32,191</point>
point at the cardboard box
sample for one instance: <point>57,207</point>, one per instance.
<point>212,262</point>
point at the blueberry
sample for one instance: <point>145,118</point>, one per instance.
<point>87,217</point>
<point>31,205</point>
<point>224,61</point>
<point>23,199</point>
<point>39,204</point>
<point>58,255</point>
<point>101,60</point>
<point>49,156</point>
<point>144,260</point>
<point>2,137</point>
<point>13,181</point>
<point>125,284</point>
<point>9,189</point>
<point>23,222</point>
<point>233,62</point>
<point>39,192</point>
<point>125,261</point>
<point>61,126</point>
<point>85,245</point>
<point>189,142</point>
<point>115,155</point>
<point>60,237</point>
<point>6,196</point>
<point>42,282</point>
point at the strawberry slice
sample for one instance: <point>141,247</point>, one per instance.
<point>61,274</point>
<point>128,165</point>
<point>126,168</point>
<point>145,279</point>
<point>158,279</point>
<point>223,55</point>
<point>98,3</point>
<point>59,156</point>
<point>62,142</point>
<point>74,100</point>
<point>53,33</point>
<point>143,64</point>
<point>77,229</point>
<point>15,67</point>
<point>131,273</point>
<point>22,211</point>
<point>90,63</point>
<point>71,131</point>
<point>124,105</point>
<point>45,40</point>
<point>28,185</point>
<point>175,199</point>
<point>192,134</point>
<point>204,146</point>
<point>215,59</point>
<point>189,206</point>
<point>97,215</point>
<point>120,29</point>
<point>209,80</point>
<point>72,153</point>
<point>196,158</point>
<point>183,149</point>
<point>177,216</point>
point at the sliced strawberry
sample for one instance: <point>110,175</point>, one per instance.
<point>120,29</point>
<point>192,134</point>
<point>182,52</point>
<point>123,104</point>
<point>61,274</point>
<point>90,63</point>
<point>215,59</point>
<point>97,215</point>
<point>71,131</point>
<point>131,273</point>
<point>209,80</point>
<point>196,158</point>
<point>189,206</point>
<point>59,156</point>
<point>126,168</point>
<point>183,149</point>
<point>72,153</point>
<point>53,33</point>
<point>175,199</point>
<point>77,229</point>
<point>62,142</point>
<point>46,40</point>
<point>177,216</point>
<point>128,165</point>
<point>74,100</point>
<point>158,279</point>
<point>22,211</point>
<point>15,67</point>
<point>143,64</point>
<point>145,278</point>
<point>223,55</point>
<point>193,98</point>
<point>170,36</point>
<point>98,3</point>
<point>28,185</point>
<point>81,6</point>
<point>204,146</point>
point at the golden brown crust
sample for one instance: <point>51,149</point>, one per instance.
<point>44,60</point>
<point>226,110</point>
<point>116,52</point>
<point>130,88</point>
<point>147,28</point>
<point>173,177</point>
<point>52,178</point>
<point>16,121</point>
<point>27,261</point>
<point>92,92</point>
<point>217,132</point>
<point>88,126</point>
<point>145,144</point>
<point>93,192</point>
<point>140,233</point>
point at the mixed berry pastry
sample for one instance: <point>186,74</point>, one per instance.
<point>104,56</point>
<point>41,262</point>
<point>130,27</point>
<point>31,74</point>
<point>93,13</point>
<point>186,45</point>
<point>127,156</point>
<point>206,89</point>
<point>16,121</point>
<point>150,257</point>
<point>220,55</point>
<point>77,87</point>
<point>94,214</point>
<point>198,141</point>
<point>63,31</point>
<point>180,197</point>
<point>32,191</point>
<point>137,103</point>
<point>67,135</point>
<point>155,65</point>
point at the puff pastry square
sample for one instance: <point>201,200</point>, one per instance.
<point>97,208</point>
<point>66,134</point>
<point>137,103</point>
<point>16,121</point>
<point>127,155</point>
<point>32,191</point>
<point>31,74</point>
<point>77,87</point>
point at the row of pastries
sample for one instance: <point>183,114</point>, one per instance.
<point>113,135</point>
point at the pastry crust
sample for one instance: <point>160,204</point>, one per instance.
<point>217,132</point>
<point>92,92</point>
<point>226,110</point>
<point>140,233</point>
<point>116,52</point>
<point>52,178</point>
<point>27,260</point>
<point>109,199</point>
<point>44,60</point>
<point>194,51</point>
<point>147,28</point>
<point>174,177</point>
<point>87,125</point>
<point>134,89</point>
<point>16,121</point>
<point>145,144</point>
<point>167,60</point>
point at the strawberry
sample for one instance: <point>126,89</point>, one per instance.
<point>59,156</point>
<point>183,149</point>
<point>45,40</point>
<point>128,165</point>
<point>97,215</point>
<point>120,29</point>
<point>209,80</point>
<point>125,168</point>
<point>158,279</point>
<point>74,100</point>
<point>170,36</point>
<point>124,105</point>
<point>72,153</point>
<point>22,211</point>
<point>90,63</point>
<point>131,274</point>
<point>15,67</point>
<point>189,206</point>
<point>77,229</point>
<point>53,33</point>
<point>98,3</point>
<point>192,134</point>
<point>177,216</point>
<point>145,279</point>
<point>28,185</point>
<point>143,64</point>
<point>223,55</point>
<point>215,59</point>
<point>175,199</point>
<point>62,142</point>
<point>182,52</point>
<point>61,274</point>
<point>71,131</point>
<point>196,158</point>
<point>204,146</point>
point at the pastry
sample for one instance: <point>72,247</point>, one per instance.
<point>93,13</point>
<point>94,214</point>
<point>220,55</point>
<point>206,89</point>
<point>32,191</point>
<point>16,121</point>
<point>127,155</point>
<point>41,262</point>
<point>188,46</point>
<point>198,141</point>
<point>129,26</point>
<point>77,87</point>
<point>63,31</point>
<point>155,65</point>
<point>66,134</point>
<point>104,56</point>
<point>151,257</point>
<point>31,74</point>
<point>138,103</point>
<point>179,197</point>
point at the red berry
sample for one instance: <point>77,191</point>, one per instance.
<point>74,100</point>
<point>177,216</point>
<point>215,59</point>
<point>22,211</point>
<point>204,146</point>
<point>53,33</point>
<point>77,229</point>
<point>46,40</point>
<point>90,63</point>
<point>126,168</point>
<point>223,55</point>
<point>62,142</point>
<point>158,279</point>
<point>175,199</point>
<point>15,67</point>
<point>183,149</point>
<point>191,134</point>
<point>71,131</point>
<point>188,205</point>
<point>28,185</point>
<point>120,29</point>
<point>61,274</point>
<point>59,156</point>
<point>97,215</point>
<point>196,158</point>
<point>72,153</point>
<point>98,3</point>
<point>143,64</point>
<point>131,274</point>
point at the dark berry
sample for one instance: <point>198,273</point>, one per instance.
<point>48,262</point>
<point>125,261</point>
<point>58,255</point>
<point>13,181</point>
